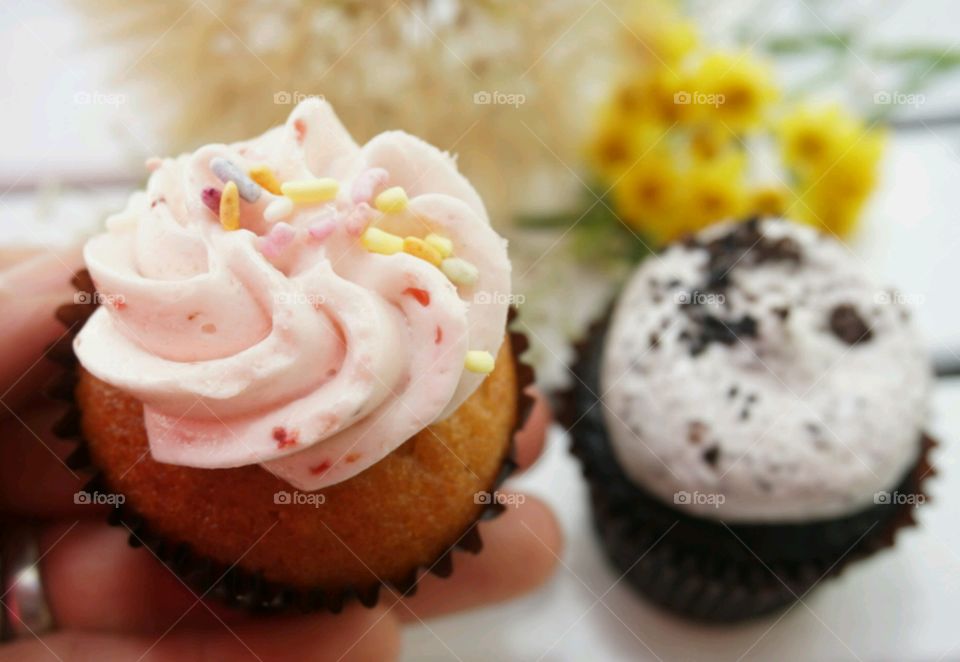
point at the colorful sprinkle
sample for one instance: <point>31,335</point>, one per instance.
<point>264,176</point>
<point>459,271</point>
<point>358,219</point>
<point>230,207</point>
<point>211,198</point>
<point>283,438</point>
<point>438,336</point>
<point>322,189</point>
<point>278,210</point>
<point>417,247</point>
<point>378,241</point>
<point>274,242</point>
<point>441,244</point>
<point>300,129</point>
<point>422,296</point>
<point>322,229</point>
<point>479,361</point>
<point>321,468</point>
<point>367,183</point>
<point>391,201</point>
<point>227,171</point>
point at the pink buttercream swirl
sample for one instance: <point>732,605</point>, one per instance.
<point>289,344</point>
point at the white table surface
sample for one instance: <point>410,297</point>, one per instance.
<point>899,605</point>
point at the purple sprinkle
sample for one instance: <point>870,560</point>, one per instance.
<point>211,198</point>
<point>227,171</point>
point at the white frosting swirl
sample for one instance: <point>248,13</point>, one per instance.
<point>791,418</point>
<point>315,359</point>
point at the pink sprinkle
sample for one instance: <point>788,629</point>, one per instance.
<point>153,163</point>
<point>320,469</point>
<point>320,231</point>
<point>367,185</point>
<point>279,237</point>
<point>359,218</point>
<point>300,129</point>
<point>284,438</point>
<point>211,198</point>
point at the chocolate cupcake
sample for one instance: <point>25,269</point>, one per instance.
<point>750,418</point>
<point>299,377</point>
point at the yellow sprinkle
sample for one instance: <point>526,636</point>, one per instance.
<point>378,241</point>
<point>230,207</point>
<point>417,247</point>
<point>459,271</point>
<point>311,190</point>
<point>443,245</point>
<point>479,361</point>
<point>392,200</point>
<point>264,176</point>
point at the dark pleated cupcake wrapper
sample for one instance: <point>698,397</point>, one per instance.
<point>233,584</point>
<point>696,566</point>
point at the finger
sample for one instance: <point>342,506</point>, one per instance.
<point>12,255</point>
<point>521,549</point>
<point>30,292</point>
<point>530,439</point>
<point>356,634</point>
<point>34,478</point>
<point>95,581</point>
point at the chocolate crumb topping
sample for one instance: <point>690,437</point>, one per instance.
<point>745,245</point>
<point>696,432</point>
<point>712,329</point>
<point>711,456</point>
<point>847,325</point>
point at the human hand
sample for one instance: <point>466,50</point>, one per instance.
<point>110,602</point>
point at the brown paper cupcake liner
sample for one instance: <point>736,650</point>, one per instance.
<point>232,584</point>
<point>702,568</point>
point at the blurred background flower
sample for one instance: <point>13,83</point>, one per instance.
<point>679,137</point>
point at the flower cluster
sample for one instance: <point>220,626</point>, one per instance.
<point>681,138</point>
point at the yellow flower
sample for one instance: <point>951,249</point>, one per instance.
<point>836,161</point>
<point>768,200</point>
<point>713,191</point>
<point>733,89</point>
<point>812,138</point>
<point>853,174</point>
<point>645,196</point>
<point>611,149</point>
<point>657,93</point>
<point>657,33</point>
<point>709,141</point>
<point>822,209</point>
<point>620,141</point>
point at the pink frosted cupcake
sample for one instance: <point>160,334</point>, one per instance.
<point>301,369</point>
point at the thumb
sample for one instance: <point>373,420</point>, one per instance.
<point>356,634</point>
<point>32,286</point>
